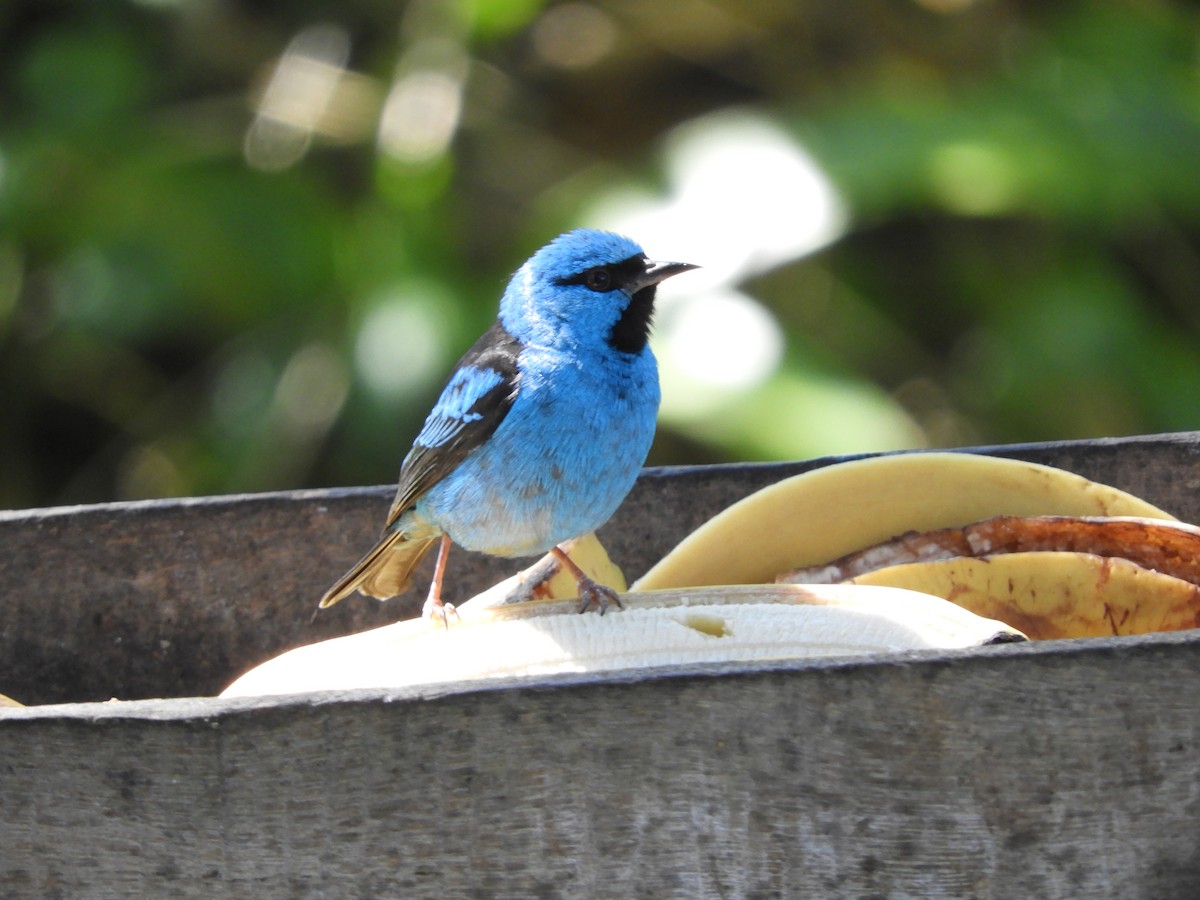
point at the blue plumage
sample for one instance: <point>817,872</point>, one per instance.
<point>543,426</point>
<point>454,410</point>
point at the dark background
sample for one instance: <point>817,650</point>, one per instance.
<point>241,243</point>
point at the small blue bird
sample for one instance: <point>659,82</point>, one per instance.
<point>542,428</point>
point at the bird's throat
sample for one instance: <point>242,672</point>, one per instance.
<point>632,330</point>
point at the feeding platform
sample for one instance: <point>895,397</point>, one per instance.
<point>1049,768</point>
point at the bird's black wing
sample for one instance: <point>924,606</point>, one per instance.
<point>473,403</point>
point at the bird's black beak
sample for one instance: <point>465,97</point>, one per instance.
<point>656,272</point>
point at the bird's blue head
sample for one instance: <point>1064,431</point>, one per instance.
<point>586,288</point>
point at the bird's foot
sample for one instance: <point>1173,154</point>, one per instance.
<point>592,593</point>
<point>438,611</point>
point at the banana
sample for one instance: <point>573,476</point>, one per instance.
<point>827,513</point>
<point>1169,547</point>
<point>1053,594</point>
<point>655,629</point>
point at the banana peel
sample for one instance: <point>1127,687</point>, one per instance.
<point>1049,594</point>
<point>1046,551</point>
<point>750,622</point>
<point>827,513</point>
<point>1171,548</point>
<point>1052,576</point>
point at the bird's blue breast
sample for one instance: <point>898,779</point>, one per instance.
<point>561,461</point>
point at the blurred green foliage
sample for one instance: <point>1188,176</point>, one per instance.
<point>241,243</point>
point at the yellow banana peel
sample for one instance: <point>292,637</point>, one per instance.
<point>1051,594</point>
<point>822,515</point>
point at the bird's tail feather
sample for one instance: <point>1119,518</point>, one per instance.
<point>384,572</point>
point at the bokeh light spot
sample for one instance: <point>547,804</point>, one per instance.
<point>420,115</point>
<point>401,345</point>
<point>574,35</point>
<point>297,96</point>
<point>973,179</point>
<point>746,197</point>
<point>712,344</point>
<point>312,389</point>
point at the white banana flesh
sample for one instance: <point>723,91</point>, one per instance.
<point>759,622</point>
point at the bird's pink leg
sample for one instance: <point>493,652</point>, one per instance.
<point>434,607</point>
<point>589,591</point>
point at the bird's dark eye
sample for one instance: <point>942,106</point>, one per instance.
<point>598,279</point>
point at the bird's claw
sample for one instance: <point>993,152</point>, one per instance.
<point>590,592</point>
<point>438,611</point>
<point>600,595</point>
